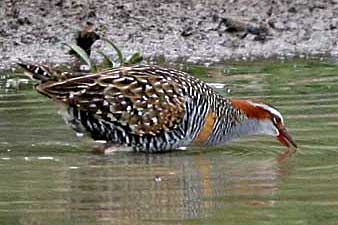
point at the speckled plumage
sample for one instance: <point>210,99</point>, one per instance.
<point>149,108</point>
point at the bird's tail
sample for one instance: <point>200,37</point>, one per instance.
<point>37,72</point>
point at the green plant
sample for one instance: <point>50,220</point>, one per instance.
<point>81,54</point>
<point>135,58</point>
<point>108,61</point>
<point>118,51</point>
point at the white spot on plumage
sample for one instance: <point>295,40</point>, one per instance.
<point>148,87</point>
<point>119,80</point>
<point>113,76</point>
<point>82,86</point>
<point>137,89</point>
<point>127,139</point>
<point>154,119</point>
<point>143,80</point>
<point>130,78</point>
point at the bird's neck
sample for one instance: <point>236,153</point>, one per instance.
<point>245,127</point>
<point>251,127</point>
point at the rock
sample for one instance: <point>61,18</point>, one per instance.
<point>233,25</point>
<point>22,21</point>
<point>187,32</point>
<point>292,10</point>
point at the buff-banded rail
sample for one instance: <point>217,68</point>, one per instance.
<point>155,109</point>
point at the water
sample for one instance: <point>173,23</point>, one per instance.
<point>49,176</point>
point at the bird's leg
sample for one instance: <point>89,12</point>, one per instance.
<point>109,148</point>
<point>101,147</point>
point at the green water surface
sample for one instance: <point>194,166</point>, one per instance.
<point>50,176</point>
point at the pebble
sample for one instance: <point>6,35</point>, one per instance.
<point>172,29</point>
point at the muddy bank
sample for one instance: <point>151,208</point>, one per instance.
<point>195,30</point>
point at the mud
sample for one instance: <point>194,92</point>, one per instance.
<point>196,30</point>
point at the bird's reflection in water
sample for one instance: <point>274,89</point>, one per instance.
<point>127,188</point>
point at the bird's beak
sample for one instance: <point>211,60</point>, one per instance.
<point>285,138</point>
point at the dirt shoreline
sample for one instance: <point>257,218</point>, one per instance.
<point>196,30</point>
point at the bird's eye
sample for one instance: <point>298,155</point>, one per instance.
<point>277,120</point>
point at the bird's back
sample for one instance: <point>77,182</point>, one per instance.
<point>147,107</point>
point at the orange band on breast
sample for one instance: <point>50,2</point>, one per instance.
<point>206,130</point>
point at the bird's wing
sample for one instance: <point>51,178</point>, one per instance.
<point>142,101</point>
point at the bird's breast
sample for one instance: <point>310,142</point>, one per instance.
<point>206,130</point>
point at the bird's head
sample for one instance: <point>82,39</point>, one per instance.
<point>270,119</point>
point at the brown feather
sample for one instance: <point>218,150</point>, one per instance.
<point>141,99</point>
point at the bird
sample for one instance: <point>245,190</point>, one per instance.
<point>155,109</point>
